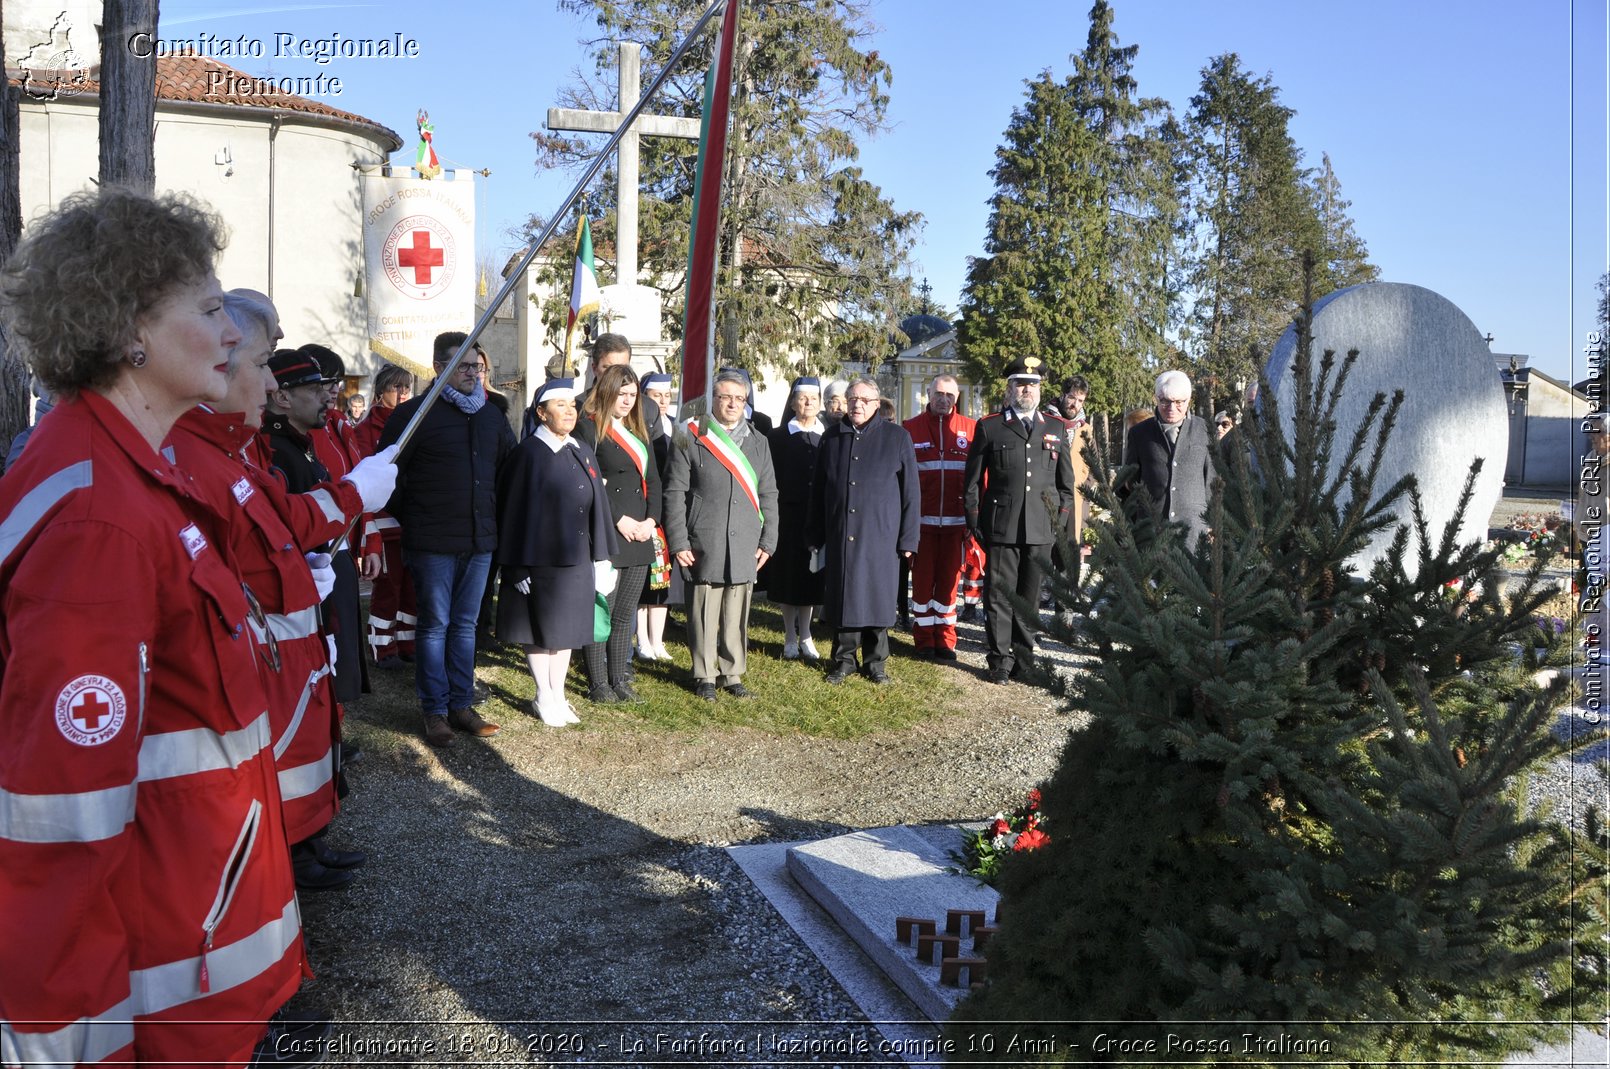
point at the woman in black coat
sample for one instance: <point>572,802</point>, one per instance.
<point>554,530</point>
<point>790,583</point>
<point>612,423</point>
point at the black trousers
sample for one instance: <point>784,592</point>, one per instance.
<point>1009,634</point>
<point>874,644</point>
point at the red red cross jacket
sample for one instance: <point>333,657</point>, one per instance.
<point>336,447</point>
<point>269,531</point>
<point>147,909</point>
<point>941,446</point>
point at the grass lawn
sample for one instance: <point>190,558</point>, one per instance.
<point>790,696</point>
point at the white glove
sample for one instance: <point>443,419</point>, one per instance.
<point>524,585</point>
<point>604,577</point>
<point>323,573</point>
<point>329,642</point>
<point>375,478</point>
<point>818,559</point>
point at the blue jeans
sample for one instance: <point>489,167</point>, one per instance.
<point>448,589</point>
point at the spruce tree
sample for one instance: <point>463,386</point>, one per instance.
<point>1296,818</point>
<point>1343,259</point>
<point>1077,270</point>
<point>1251,218</point>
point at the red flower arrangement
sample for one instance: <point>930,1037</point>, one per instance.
<point>1021,831</point>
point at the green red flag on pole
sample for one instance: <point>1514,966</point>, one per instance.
<point>425,161</point>
<point>698,322</point>
<point>583,290</point>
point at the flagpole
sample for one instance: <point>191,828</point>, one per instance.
<point>435,391</point>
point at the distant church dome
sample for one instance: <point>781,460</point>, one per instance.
<point>921,328</point>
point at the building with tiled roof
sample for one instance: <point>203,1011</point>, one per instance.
<point>281,169</point>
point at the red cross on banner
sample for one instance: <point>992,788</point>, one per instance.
<point>421,256</point>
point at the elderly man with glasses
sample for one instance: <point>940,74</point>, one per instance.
<point>720,527</point>
<point>864,512</point>
<point>446,503</point>
<point>1174,454</point>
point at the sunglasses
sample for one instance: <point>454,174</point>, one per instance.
<point>267,645</point>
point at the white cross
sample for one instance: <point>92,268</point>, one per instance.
<point>606,122</point>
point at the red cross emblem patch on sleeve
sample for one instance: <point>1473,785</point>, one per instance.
<point>90,710</point>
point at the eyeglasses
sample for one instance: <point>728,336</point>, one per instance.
<point>267,645</point>
<point>1225,425</point>
<point>863,400</point>
<point>732,398</point>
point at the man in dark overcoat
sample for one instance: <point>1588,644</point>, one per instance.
<point>865,515</point>
<point>1017,491</point>
<point>1175,456</point>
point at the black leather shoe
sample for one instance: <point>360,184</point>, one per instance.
<point>1000,677</point>
<point>944,653</point>
<point>926,653</point>
<point>602,696</point>
<point>331,858</point>
<point>304,1040</point>
<point>837,676</point>
<point>705,692</point>
<point>313,876</point>
<point>738,690</point>
<point>877,677</point>
<point>625,693</point>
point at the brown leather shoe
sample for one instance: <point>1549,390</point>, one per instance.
<point>437,731</point>
<point>469,720</point>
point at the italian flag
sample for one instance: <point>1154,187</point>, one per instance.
<point>583,288</point>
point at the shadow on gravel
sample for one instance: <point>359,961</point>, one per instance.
<point>501,921</point>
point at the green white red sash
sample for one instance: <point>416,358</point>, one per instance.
<point>634,449</point>
<point>713,438</point>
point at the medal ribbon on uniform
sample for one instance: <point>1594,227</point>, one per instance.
<point>713,438</point>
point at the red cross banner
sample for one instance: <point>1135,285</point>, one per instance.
<point>419,264</point>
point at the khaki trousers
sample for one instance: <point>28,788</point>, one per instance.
<point>718,632</point>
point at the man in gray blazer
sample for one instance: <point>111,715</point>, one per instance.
<point>1173,452</point>
<point>721,526</point>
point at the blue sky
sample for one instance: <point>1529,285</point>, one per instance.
<point>1470,135</point>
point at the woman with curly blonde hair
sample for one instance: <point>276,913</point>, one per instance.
<point>146,898</point>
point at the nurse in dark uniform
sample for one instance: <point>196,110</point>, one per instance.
<point>790,583</point>
<point>612,423</point>
<point>555,539</point>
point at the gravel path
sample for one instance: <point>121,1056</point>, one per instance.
<point>579,876</point>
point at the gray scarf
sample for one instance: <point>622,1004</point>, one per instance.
<point>467,403</point>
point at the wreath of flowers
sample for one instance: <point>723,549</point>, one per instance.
<point>1021,831</point>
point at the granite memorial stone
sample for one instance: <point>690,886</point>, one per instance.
<point>1412,339</point>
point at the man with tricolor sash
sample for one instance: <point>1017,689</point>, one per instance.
<point>721,526</point>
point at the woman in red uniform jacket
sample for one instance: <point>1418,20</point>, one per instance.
<point>271,535</point>
<point>146,904</point>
